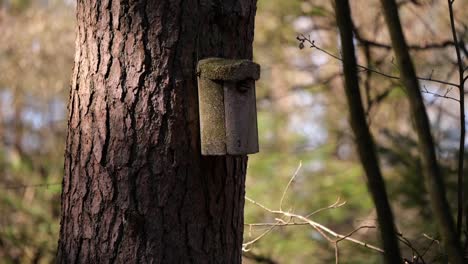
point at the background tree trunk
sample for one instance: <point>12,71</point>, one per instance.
<point>433,178</point>
<point>363,137</point>
<point>136,189</point>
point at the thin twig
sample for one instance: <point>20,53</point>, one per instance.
<point>354,231</point>
<point>245,246</point>
<point>431,238</point>
<point>258,258</point>
<point>337,254</point>
<point>289,183</point>
<point>15,187</point>
<point>303,39</point>
<point>424,90</point>
<point>336,204</point>
<point>343,238</point>
<point>427,249</point>
<point>415,253</point>
<point>276,224</point>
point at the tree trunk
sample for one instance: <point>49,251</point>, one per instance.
<point>433,177</point>
<point>363,137</point>
<point>136,189</point>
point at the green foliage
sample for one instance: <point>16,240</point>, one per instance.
<point>17,6</point>
<point>37,38</point>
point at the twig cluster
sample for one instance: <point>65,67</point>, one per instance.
<point>289,218</point>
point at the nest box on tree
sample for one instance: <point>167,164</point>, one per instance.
<point>228,114</point>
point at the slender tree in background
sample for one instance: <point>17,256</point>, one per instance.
<point>136,189</point>
<point>461,145</point>
<point>363,137</point>
<point>433,178</point>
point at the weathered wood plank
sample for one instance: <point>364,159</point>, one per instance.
<point>240,118</point>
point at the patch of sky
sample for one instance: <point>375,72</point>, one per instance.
<point>308,122</point>
<point>6,103</point>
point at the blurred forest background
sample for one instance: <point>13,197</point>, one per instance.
<point>302,118</point>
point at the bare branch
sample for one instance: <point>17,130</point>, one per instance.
<point>415,253</point>
<point>302,38</point>
<point>325,231</point>
<point>424,90</point>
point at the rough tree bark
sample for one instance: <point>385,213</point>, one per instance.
<point>433,177</point>
<point>136,189</point>
<point>363,137</point>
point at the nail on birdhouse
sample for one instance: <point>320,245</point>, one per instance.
<point>228,113</point>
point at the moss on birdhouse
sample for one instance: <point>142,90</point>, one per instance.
<point>228,70</point>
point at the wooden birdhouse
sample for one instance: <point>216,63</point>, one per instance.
<point>228,113</point>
